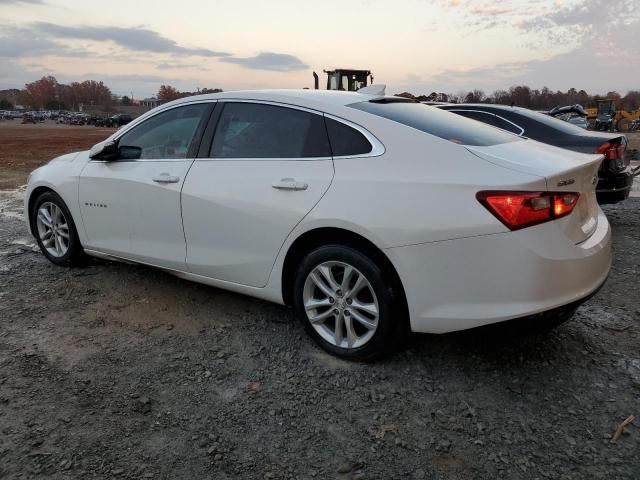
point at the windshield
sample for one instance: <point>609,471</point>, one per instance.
<point>549,121</point>
<point>440,123</point>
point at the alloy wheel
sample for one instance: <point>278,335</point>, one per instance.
<point>53,229</point>
<point>341,304</point>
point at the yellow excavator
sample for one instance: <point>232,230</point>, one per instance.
<point>346,79</point>
<point>605,117</point>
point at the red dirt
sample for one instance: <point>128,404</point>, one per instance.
<point>24,148</point>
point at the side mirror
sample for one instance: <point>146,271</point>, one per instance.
<point>104,151</point>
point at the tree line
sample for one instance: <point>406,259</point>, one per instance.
<point>535,99</point>
<point>166,93</point>
<point>49,94</point>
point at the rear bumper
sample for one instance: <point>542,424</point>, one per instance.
<point>466,283</point>
<point>614,187</point>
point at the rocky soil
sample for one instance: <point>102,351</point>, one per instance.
<point>119,371</point>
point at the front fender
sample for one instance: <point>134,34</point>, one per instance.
<point>62,176</point>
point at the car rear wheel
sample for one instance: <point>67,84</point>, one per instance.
<point>341,297</point>
<point>55,230</point>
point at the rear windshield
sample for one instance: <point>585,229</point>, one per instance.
<point>440,123</point>
<point>550,121</point>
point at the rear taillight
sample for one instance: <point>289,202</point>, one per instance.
<point>611,151</point>
<point>523,209</point>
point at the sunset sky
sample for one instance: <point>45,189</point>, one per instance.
<point>411,45</point>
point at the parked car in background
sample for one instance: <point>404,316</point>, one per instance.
<point>118,120</point>
<point>581,122</point>
<point>29,118</point>
<point>370,215</point>
<point>615,176</point>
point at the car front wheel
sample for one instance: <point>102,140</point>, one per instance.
<point>344,303</point>
<point>55,230</point>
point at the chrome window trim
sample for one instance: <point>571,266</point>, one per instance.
<point>376,150</point>
<point>521,134</point>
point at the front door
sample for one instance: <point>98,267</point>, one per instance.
<point>131,205</point>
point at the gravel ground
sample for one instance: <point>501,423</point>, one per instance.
<point>120,371</point>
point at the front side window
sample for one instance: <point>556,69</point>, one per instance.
<point>432,120</point>
<point>254,130</point>
<point>167,135</point>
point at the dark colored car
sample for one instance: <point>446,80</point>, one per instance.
<point>28,118</point>
<point>118,120</point>
<point>615,174</point>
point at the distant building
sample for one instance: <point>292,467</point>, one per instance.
<point>152,102</point>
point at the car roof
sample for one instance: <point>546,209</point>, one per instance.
<point>495,106</point>
<point>297,97</point>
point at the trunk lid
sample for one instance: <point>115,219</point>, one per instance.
<point>563,170</point>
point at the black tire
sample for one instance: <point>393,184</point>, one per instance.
<point>389,334</point>
<point>75,255</point>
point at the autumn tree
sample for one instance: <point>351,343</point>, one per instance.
<point>37,94</point>
<point>90,92</point>
<point>631,101</point>
<point>168,93</point>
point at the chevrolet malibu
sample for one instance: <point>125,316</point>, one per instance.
<point>370,215</point>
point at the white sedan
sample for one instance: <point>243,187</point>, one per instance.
<point>371,215</point>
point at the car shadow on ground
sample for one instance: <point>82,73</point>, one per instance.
<point>492,344</point>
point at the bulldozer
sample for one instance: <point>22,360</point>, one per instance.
<point>606,118</point>
<point>345,79</point>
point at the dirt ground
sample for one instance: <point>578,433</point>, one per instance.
<point>121,371</point>
<point>24,148</point>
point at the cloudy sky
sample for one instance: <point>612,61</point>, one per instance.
<point>411,45</point>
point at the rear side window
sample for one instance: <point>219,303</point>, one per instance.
<point>483,117</point>
<point>440,123</point>
<point>254,130</point>
<point>346,141</point>
<point>491,119</point>
<point>508,126</point>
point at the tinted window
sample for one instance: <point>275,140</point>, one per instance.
<point>165,135</point>
<point>508,126</point>
<point>253,130</point>
<point>438,122</point>
<point>346,140</point>
<point>483,117</point>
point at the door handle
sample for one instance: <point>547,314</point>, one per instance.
<point>290,184</point>
<point>165,178</point>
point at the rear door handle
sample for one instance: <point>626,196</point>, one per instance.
<point>290,184</point>
<point>165,178</point>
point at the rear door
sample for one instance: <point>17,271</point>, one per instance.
<point>131,205</point>
<point>268,165</point>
